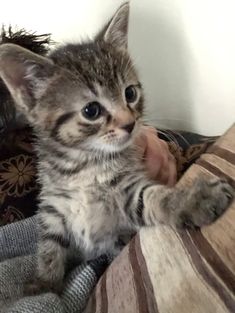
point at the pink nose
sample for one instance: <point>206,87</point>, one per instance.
<point>128,127</point>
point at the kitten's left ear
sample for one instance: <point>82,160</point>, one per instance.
<point>116,31</point>
<point>26,75</point>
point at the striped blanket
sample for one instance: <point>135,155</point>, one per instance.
<point>164,271</point>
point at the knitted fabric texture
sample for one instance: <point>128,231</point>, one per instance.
<point>18,243</point>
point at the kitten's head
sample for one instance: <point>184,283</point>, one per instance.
<point>85,96</point>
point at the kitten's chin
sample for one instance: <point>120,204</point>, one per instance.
<point>116,147</point>
<point>109,147</point>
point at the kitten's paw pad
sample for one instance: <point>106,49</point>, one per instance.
<point>208,200</point>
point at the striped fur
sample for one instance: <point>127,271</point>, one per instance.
<point>94,185</point>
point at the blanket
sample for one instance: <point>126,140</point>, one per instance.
<point>17,265</point>
<point>166,271</point>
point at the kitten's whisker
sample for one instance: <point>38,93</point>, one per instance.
<point>150,120</point>
<point>170,137</point>
<point>167,134</point>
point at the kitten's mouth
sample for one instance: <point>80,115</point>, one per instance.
<point>118,143</point>
<point>113,143</point>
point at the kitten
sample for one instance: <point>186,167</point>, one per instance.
<point>85,102</point>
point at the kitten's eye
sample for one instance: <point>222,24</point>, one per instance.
<point>130,94</point>
<point>92,110</point>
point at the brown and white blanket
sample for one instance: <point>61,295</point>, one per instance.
<point>164,271</point>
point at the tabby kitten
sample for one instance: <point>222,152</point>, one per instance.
<point>85,102</point>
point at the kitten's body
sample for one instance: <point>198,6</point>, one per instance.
<point>92,199</point>
<point>85,103</point>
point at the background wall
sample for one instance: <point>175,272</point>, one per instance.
<point>184,49</point>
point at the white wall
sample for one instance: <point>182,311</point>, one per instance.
<point>184,49</point>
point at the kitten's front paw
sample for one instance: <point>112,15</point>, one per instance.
<point>206,201</point>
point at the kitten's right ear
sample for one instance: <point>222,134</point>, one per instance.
<point>116,31</point>
<point>26,74</point>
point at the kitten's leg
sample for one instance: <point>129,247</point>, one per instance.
<point>52,250</point>
<point>194,206</point>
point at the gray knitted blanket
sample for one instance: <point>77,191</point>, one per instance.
<point>17,265</point>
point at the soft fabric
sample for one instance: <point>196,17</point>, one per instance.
<point>17,266</point>
<point>165,271</point>
<point>18,186</point>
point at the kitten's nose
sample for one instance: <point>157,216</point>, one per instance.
<point>129,127</point>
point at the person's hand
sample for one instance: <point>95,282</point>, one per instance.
<point>160,163</point>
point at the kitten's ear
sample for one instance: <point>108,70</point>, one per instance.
<point>26,74</point>
<point>116,31</point>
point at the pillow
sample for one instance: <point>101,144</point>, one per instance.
<point>162,270</point>
<point>18,186</point>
